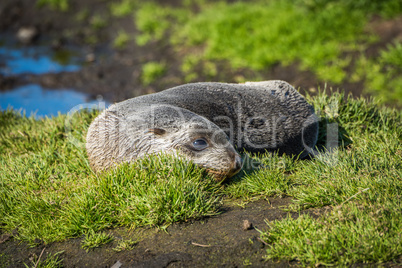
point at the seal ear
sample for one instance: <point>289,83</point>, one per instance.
<point>156,131</point>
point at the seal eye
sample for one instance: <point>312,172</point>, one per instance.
<point>200,144</point>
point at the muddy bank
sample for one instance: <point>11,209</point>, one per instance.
<point>220,241</point>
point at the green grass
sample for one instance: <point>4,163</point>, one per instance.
<point>98,21</point>
<point>385,8</point>
<point>275,32</point>
<point>361,183</point>
<point>358,232</point>
<point>48,191</point>
<point>125,245</point>
<point>51,261</point>
<point>322,36</point>
<point>121,40</point>
<point>382,74</point>
<point>61,5</point>
<point>151,71</point>
<point>94,240</point>
<point>154,21</point>
<point>123,8</point>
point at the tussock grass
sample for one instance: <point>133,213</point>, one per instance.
<point>51,261</point>
<point>47,190</point>
<point>151,71</point>
<point>357,232</point>
<point>382,74</point>
<point>262,175</point>
<point>121,40</point>
<point>62,5</point>
<point>125,245</point>
<point>360,182</point>
<point>93,240</point>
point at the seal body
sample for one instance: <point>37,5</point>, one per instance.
<point>255,117</point>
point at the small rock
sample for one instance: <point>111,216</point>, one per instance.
<point>257,243</point>
<point>27,35</point>
<point>49,80</point>
<point>118,264</point>
<point>90,57</point>
<point>4,238</point>
<point>32,257</point>
<point>247,225</point>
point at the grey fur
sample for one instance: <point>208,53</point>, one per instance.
<point>256,117</point>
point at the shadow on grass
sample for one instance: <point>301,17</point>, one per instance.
<point>331,135</point>
<point>272,174</point>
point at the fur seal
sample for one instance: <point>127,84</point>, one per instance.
<point>204,123</point>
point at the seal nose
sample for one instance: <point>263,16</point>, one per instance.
<point>236,164</point>
<point>239,162</point>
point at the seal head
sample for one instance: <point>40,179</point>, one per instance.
<point>208,148</point>
<point>115,137</point>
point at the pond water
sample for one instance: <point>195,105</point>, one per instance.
<point>36,60</point>
<point>35,100</point>
<point>32,98</point>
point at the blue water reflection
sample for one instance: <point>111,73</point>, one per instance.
<point>33,99</point>
<point>34,61</point>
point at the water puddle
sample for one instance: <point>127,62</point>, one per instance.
<point>36,60</point>
<point>32,98</point>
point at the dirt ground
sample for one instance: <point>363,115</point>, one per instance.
<point>218,241</point>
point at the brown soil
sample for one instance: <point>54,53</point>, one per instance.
<point>220,241</point>
<point>115,74</point>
